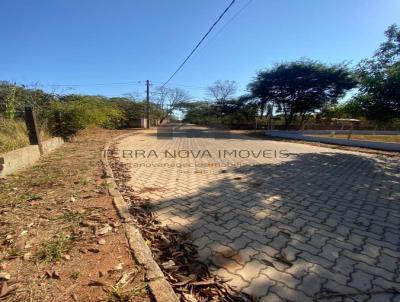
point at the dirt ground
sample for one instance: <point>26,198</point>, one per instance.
<point>60,237</point>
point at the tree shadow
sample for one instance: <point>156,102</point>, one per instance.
<point>300,230</point>
<point>214,131</point>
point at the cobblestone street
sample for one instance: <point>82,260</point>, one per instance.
<point>284,221</point>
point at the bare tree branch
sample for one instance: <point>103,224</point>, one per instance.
<point>222,90</point>
<point>169,99</point>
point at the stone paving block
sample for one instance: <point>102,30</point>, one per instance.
<point>259,286</point>
<point>327,264</point>
<point>201,242</point>
<point>222,261</point>
<point>330,252</point>
<point>280,276</point>
<point>329,274</point>
<point>317,241</point>
<point>339,209</point>
<point>311,284</point>
<point>375,271</point>
<point>288,294</point>
<point>240,242</point>
<point>361,280</point>
<point>250,270</point>
<point>383,283</point>
<point>388,262</point>
<point>355,255</point>
<point>235,280</point>
<point>271,297</point>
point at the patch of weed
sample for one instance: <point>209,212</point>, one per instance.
<point>54,249</point>
<point>118,294</point>
<point>75,275</point>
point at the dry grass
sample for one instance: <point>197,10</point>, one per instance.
<point>14,134</point>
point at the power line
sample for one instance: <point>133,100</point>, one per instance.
<point>90,84</point>
<point>198,44</point>
<point>228,22</point>
<point>181,85</point>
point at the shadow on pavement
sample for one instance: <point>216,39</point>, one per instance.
<point>306,228</point>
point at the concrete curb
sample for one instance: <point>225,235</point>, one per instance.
<point>383,146</point>
<point>19,159</point>
<point>159,287</point>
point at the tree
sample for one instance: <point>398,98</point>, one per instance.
<point>379,76</point>
<point>349,109</point>
<point>198,112</point>
<point>301,87</point>
<point>168,100</point>
<point>222,90</point>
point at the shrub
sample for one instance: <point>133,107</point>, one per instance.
<point>68,117</point>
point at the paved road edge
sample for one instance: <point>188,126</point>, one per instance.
<point>159,287</point>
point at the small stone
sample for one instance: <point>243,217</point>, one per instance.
<point>66,257</point>
<point>115,224</point>
<point>119,267</point>
<point>27,256</point>
<point>73,199</point>
<point>104,230</point>
<point>168,264</point>
<point>93,250</point>
<point>83,250</point>
<point>81,211</point>
<point>88,224</point>
<point>8,237</point>
<point>101,241</point>
<point>5,276</point>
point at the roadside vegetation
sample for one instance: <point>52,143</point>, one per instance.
<point>303,94</point>
<point>64,115</point>
<point>306,93</point>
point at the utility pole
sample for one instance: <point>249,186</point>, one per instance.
<point>148,103</point>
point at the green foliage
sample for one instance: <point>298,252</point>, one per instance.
<point>15,98</point>
<point>54,249</point>
<point>379,76</point>
<point>198,112</point>
<point>10,103</point>
<point>133,109</point>
<point>65,115</point>
<point>349,109</point>
<point>232,113</point>
<point>74,113</point>
<point>301,87</point>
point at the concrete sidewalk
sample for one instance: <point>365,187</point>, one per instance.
<point>306,136</point>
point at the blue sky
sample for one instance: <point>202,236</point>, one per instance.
<point>100,41</point>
